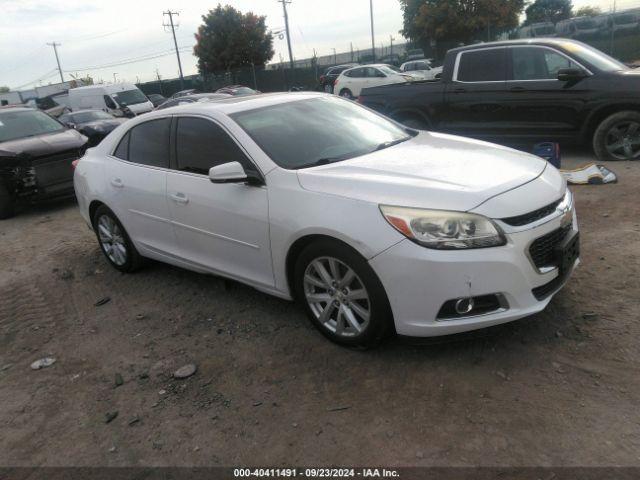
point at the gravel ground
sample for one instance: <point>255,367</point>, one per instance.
<point>558,388</point>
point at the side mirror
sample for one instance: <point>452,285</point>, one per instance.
<point>233,172</point>
<point>570,74</point>
<point>71,125</point>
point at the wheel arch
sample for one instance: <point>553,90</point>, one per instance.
<point>296,248</point>
<point>93,206</point>
<point>598,116</point>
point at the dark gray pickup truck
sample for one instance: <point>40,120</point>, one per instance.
<point>522,92</point>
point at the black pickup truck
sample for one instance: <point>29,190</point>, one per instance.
<point>522,92</point>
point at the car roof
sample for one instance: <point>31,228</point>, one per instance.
<point>233,105</point>
<point>558,42</point>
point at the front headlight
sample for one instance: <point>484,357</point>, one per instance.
<point>444,230</point>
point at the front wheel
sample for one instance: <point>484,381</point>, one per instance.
<point>618,137</point>
<point>342,295</point>
<point>114,241</point>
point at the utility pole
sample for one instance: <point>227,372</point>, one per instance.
<point>55,50</point>
<point>114,77</point>
<point>391,39</point>
<point>351,45</point>
<point>335,57</point>
<point>373,43</point>
<point>286,28</point>
<point>175,42</point>
<point>159,80</point>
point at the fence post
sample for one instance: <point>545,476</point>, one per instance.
<point>253,72</point>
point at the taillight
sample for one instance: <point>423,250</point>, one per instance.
<point>359,99</point>
<point>74,164</point>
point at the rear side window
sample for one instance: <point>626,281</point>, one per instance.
<point>201,144</point>
<point>482,66</point>
<point>122,151</point>
<point>149,143</point>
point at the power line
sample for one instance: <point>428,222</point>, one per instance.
<point>55,50</point>
<point>50,73</point>
<point>149,56</point>
<point>173,31</point>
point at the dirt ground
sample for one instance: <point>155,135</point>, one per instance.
<point>558,388</point>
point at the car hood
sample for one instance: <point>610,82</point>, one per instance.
<point>432,170</point>
<point>103,124</point>
<point>46,144</point>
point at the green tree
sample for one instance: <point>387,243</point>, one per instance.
<point>460,21</point>
<point>548,11</point>
<point>230,39</point>
<point>588,11</point>
<point>5,89</point>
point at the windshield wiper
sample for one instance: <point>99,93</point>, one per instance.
<point>321,161</point>
<point>384,145</point>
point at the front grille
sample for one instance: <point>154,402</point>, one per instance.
<point>67,155</point>
<point>542,249</point>
<point>531,217</point>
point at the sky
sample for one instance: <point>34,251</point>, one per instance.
<point>96,35</point>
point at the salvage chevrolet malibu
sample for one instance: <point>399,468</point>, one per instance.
<point>373,227</point>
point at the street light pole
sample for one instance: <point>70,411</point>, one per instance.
<point>373,43</point>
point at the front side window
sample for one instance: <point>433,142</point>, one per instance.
<point>482,66</point>
<point>108,101</point>
<point>534,63</point>
<point>303,133</point>
<point>201,144</point>
<point>26,123</point>
<point>149,143</point>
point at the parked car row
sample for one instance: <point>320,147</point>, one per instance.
<point>523,92</point>
<point>585,28</point>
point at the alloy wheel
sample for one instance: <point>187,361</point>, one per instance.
<point>337,297</point>
<point>112,240</point>
<point>623,140</point>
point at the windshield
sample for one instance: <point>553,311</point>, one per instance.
<point>389,69</point>
<point>311,132</point>
<point>546,30</point>
<point>585,23</point>
<point>129,97</point>
<point>14,125</point>
<point>84,117</point>
<point>595,57</point>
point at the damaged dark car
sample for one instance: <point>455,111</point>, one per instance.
<point>93,124</point>
<point>36,158</point>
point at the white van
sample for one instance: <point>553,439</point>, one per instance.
<point>110,98</point>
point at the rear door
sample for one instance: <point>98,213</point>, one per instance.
<point>539,106</point>
<point>474,98</point>
<point>222,226</point>
<point>137,180</point>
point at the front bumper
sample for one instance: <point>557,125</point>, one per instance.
<point>418,281</point>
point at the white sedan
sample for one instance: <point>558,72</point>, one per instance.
<point>421,69</point>
<point>353,80</point>
<point>373,227</point>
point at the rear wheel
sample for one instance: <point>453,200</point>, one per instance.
<point>342,295</point>
<point>7,203</point>
<point>114,241</point>
<point>618,137</point>
<point>346,93</point>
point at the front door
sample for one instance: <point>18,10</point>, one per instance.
<point>539,106</point>
<point>223,227</point>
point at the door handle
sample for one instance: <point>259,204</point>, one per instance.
<point>517,89</point>
<point>459,90</point>
<point>180,198</point>
<point>116,182</point>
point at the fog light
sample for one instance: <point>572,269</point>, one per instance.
<point>464,305</point>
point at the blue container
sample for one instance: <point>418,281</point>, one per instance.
<point>550,151</point>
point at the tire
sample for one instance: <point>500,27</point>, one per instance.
<point>356,314</point>
<point>122,255</point>
<point>413,121</point>
<point>618,137</point>
<point>346,93</point>
<point>7,203</point>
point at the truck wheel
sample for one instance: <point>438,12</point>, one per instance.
<point>7,203</point>
<point>618,137</point>
<point>346,93</point>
